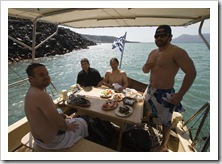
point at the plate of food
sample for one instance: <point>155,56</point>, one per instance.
<point>124,111</point>
<point>118,97</point>
<point>78,100</point>
<point>129,101</point>
<point>110,105</point>
<point>107,93</point>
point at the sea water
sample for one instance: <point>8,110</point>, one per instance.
<point>63,70</point>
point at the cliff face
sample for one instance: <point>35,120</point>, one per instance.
<point>63,42</point>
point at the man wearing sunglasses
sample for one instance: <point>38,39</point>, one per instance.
<point>163,63</point>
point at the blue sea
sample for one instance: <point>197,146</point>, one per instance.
<point>63,70</point>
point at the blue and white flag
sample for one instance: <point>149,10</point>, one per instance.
<point>119,43</point>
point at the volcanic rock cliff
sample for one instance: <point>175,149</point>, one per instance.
<point>63,42</point>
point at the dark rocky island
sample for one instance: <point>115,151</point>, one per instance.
<point>63,42</point>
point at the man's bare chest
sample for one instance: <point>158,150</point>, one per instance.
<point>115,77</point>
<point>164,61</point>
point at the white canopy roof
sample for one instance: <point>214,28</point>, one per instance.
<point>113,17</point>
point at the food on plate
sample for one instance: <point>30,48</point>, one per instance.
<point>128,92</point>
<point>107,93</point>
<point>129,101</point>
<point>139,98</point>
<point>110,104</point>
<point>118,97</point>
<point>78,100</point>
<point>124,109</point>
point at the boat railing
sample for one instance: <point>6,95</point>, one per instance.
<point>200,128</point>
<point>18,82</point>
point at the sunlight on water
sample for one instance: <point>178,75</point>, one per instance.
<point>63,70</point>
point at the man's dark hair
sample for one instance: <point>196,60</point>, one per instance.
<point>29,69</point>
<point>114,59</point>
<point>164,28</point>
<point>84,60</point>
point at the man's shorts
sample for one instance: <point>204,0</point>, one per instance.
<point>157,100</point>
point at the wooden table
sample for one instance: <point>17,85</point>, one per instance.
<point>95,110</point>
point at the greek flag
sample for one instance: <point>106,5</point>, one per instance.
<point>119,43</point>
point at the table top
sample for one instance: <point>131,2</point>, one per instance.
<point>93,95</point>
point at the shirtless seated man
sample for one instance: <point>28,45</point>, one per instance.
<point>49,129</point>
<point>115,78</point>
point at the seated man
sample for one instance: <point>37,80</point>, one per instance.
<point>115,78</point>
<point>49,129</point>
<point>88,76</point>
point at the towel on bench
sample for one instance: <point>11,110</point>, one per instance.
<point>67,139</point>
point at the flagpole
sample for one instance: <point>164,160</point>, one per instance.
<point>122,51</point>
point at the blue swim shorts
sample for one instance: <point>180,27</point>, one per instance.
<point>161,108</point>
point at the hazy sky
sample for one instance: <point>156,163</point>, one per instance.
<point>144,34</point>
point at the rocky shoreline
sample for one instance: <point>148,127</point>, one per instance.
<point>63,42</point>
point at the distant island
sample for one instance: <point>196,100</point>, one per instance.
<point>181,39</point>
<point>103,39</point>
<point>191,38</point>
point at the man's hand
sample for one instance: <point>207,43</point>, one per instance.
<point>147,67</point>
<point>176,98</point>
<point>72,126</point>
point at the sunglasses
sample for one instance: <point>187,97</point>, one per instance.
<point>160,35</point>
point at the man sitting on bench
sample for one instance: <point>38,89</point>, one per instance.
<point>49,129</point>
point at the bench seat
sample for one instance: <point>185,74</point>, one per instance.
<point>83,145</point>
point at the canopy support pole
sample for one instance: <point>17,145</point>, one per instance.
<point>34,39</point>
<point>201,35</point>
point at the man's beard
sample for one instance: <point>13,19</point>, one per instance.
<point>160,43</point>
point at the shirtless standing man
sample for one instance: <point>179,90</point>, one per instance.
<point>115,76</point>
<point>49,129</point>
<point>163,64</point>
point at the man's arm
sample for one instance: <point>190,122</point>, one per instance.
<point>106,80</point>
<point>80,79</point>
<point>49,109</point>
<point>100,83</point>
<point>125,81</point>
<point>149,63</point>
<point>98,78</point>
<point>187,66</point>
